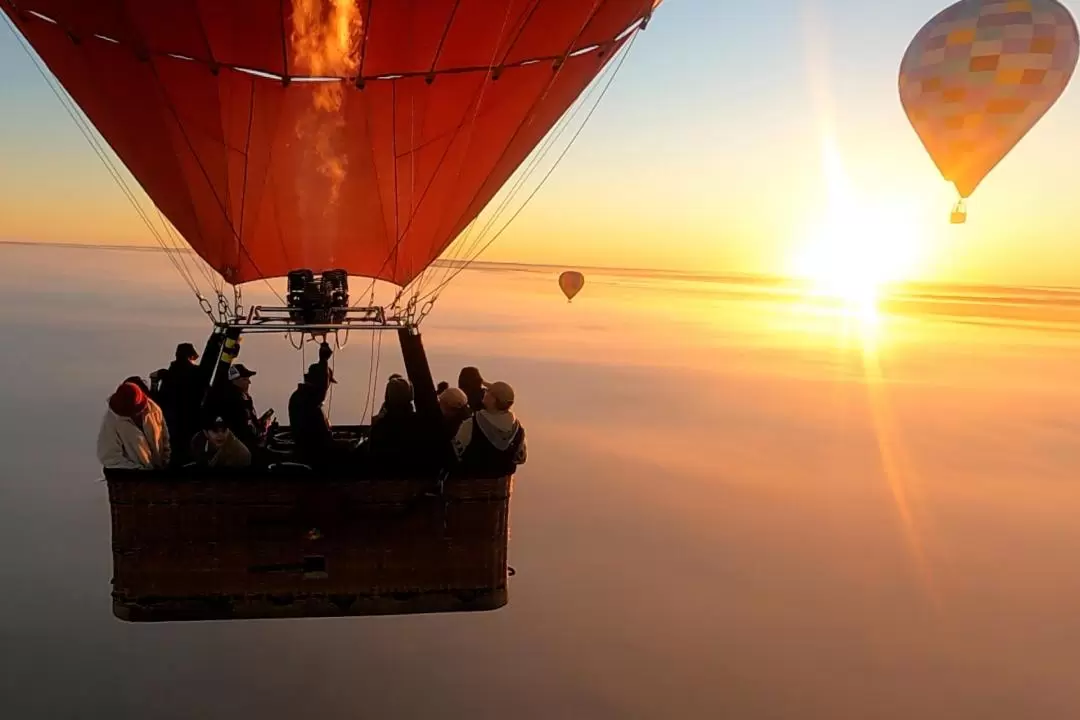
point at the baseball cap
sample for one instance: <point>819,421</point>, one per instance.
<point>214,422</point>
<point>238,371</point>
<point>503,393</point>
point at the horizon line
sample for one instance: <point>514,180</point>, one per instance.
<point>477,264</point>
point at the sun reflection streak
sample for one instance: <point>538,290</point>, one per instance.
<point>859,246</point>
<point>895,464</point>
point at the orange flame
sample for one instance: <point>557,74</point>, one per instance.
<point>326,40</point>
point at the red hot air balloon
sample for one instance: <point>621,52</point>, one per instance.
<point>571,282</point>
<point>318,139</point>
<point>325,134</point>
<point>979,76</point>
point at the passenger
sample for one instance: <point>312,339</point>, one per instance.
<point>470,381</point>
<point>492,443</point>
<point>216,446</point>
<point>455,410</point>
<point>133,433</point>
<point>311,433</point>
<point>397,398</point>
<point>156,389</point>
<point>141,384</point>
<point>442,387</point>
<point>233,402</point>
<point>395,442</point>
<point>181,390</point>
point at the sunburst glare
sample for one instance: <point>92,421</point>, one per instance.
<point>858,246</point>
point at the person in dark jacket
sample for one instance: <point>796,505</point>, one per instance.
<point>217,447</point>
<point>454,406</point>
<point>180,393</point>
<point>492,443</point>
<point>232,401</point>
<point>311,432</point>
<point>396,444</point>
<point>473,385</point>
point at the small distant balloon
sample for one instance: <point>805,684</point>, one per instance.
<point>979,76</point>
<point>571,283</point>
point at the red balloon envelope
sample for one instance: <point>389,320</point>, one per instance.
<point>222,112</point>
<point>571,282</point>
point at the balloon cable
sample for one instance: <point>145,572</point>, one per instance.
<point>174,254</point>
<point>434,294</point>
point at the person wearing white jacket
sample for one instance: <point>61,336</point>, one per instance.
<point>492,442</point>
<point>133,433</point>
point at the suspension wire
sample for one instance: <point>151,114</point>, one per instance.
<point>87,134</point>
<point>174,254</point>
<point>461,247</point>
<point>209,274</point>
<point>471,127</point>
<point>461,254</point>
<point>467,120</point>
<point>440,266</point>
<point>371,378</point>
<point>183,252</point>
<point>465,248</point>
<point>373,372</point>
<point>561,64</point>
<point>394,154</point>
<point>457,249</point>
<point>433,295</point>
<point>330,402</point>
<point>206,175</point>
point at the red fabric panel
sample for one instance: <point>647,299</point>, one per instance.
<point>552,28</point>
<point>613,17</point>
<point>403,37</point>
<point>170,26</point>
<point>241,32</point>
<point>260,180</point>
<point>104,17</point>
<point>571,81</point>
<point>246,33</point>
<point>483,31</point>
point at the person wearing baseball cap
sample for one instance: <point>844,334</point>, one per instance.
<point>454,408</point>
<point>239,371</point>
<point>312,435</point>
<point>471,382</point>
<point>217,446</point>
<point>492,442</point>
<point>232,401</point>
<point>133,434</point>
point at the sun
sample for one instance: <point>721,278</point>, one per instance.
<point>859,245</point>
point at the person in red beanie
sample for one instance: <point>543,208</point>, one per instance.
<point>133,434</point>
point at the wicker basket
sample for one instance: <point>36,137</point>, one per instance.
<point>251,547</point>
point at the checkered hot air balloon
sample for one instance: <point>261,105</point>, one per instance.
<point>979,76</point>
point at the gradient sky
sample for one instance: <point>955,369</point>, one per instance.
<point>707,153</point>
